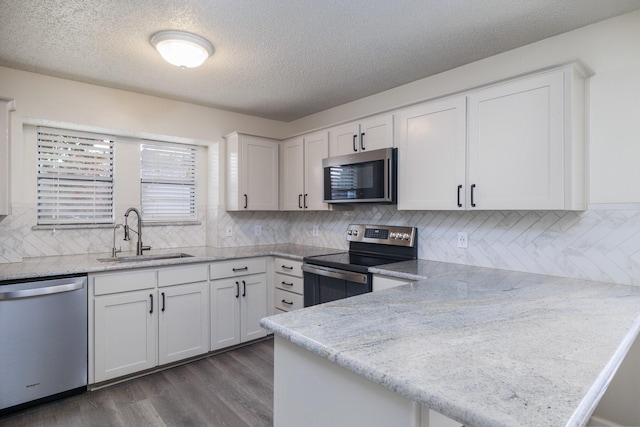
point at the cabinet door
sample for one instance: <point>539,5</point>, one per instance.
<point>225,312</point>
<point>344,139</point>
<point>259,174</point>
<point>431,141</point>
<point>254,306</point>
<point>5,107</point>
<point>516,145</point>
<point>376,133</point>
<point>293,162</point>
<point>316,148</point>
<point>125,331</point>
<point>183,321</point>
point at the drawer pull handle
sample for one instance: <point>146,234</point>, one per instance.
<point>286,267</point>
<point>235,270</point>
<point>287,302</point>
<point>288,284</point>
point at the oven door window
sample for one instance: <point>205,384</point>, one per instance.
<point>356,181</point>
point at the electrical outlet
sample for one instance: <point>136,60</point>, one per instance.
<point>463,240</point>
<point>229,231</point>
<point>257,230</point>
<point>315,230</point>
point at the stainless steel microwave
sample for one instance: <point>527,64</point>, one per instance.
<point>365,177</point>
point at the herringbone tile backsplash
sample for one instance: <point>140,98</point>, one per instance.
<point>596,244</point>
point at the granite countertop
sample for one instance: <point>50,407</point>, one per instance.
<point>485,347</point>
<point>39,267</point>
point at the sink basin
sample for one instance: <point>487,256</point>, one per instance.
<point>142,258</point>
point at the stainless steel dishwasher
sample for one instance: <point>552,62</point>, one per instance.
<point>43,340</point>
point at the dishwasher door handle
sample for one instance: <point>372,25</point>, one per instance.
<point>39,291</point>
<point>336,274</point>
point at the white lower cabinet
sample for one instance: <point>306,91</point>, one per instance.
<point>140,319</point>
<point>124,334</point>
<point>288,285</point>
<point>183,324</point>
<point>238,302</point>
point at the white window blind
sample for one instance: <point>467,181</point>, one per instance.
<point>168,182</point>
<point>75,177</point>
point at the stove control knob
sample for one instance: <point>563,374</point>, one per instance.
<point>406,236</point>
<point>349,232</point>
<point>355,232</point>
<point>393,235</point>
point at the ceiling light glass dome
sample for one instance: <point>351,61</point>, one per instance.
<point>182,49</point>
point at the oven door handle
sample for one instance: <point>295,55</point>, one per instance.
<point>336,274</point>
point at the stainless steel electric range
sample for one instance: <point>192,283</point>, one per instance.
<point>336,276</point>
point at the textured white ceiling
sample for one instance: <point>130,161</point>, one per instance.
<point>279,59</point>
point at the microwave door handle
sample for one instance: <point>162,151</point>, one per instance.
<point>388,183</point>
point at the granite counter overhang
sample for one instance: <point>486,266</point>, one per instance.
<point>485,347</point>
<point>40,267</point>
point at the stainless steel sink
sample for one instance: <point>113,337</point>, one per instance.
<point>142,258</point>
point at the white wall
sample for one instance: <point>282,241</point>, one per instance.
<point>44,100</point>
<point>608,48</point>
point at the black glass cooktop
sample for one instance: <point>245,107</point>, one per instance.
<point>349,261</point>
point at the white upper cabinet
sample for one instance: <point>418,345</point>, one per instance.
<point>368,134</point>
<point>292,164</point>
<point>5,107</point>
<point>516,145</point>
<point>301,174</point>
<point>252,173</point>
<point>524,147</point>
<point>431,141</point>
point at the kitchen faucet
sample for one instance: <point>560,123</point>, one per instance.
<point>139,247</point>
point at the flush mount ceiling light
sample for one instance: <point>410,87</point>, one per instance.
<point>180,48</point>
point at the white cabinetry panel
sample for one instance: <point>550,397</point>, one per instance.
<point>125,334</point>
<point>368,134</point>
<point>183,322</point>
<point>516,145</point>
<point>252,173</point>
<point>432,155</point>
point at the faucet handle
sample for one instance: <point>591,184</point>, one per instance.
<point>115,251</point>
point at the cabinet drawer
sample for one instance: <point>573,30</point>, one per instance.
<point>124,282</point>
<point>287,301</point>
<point>287,266</point>
<point>237,267</point>
<point>289,283</point>
<point>180,275</point>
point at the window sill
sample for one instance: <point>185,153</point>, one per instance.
<point>90,226</point>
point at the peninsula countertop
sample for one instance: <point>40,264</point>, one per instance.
<point>38,267</point>
<point>485,347</point>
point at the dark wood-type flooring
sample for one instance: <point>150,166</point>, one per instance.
<point>229,389</point>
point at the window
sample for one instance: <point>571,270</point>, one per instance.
<point>168,182</point>
<point>75,177</point>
